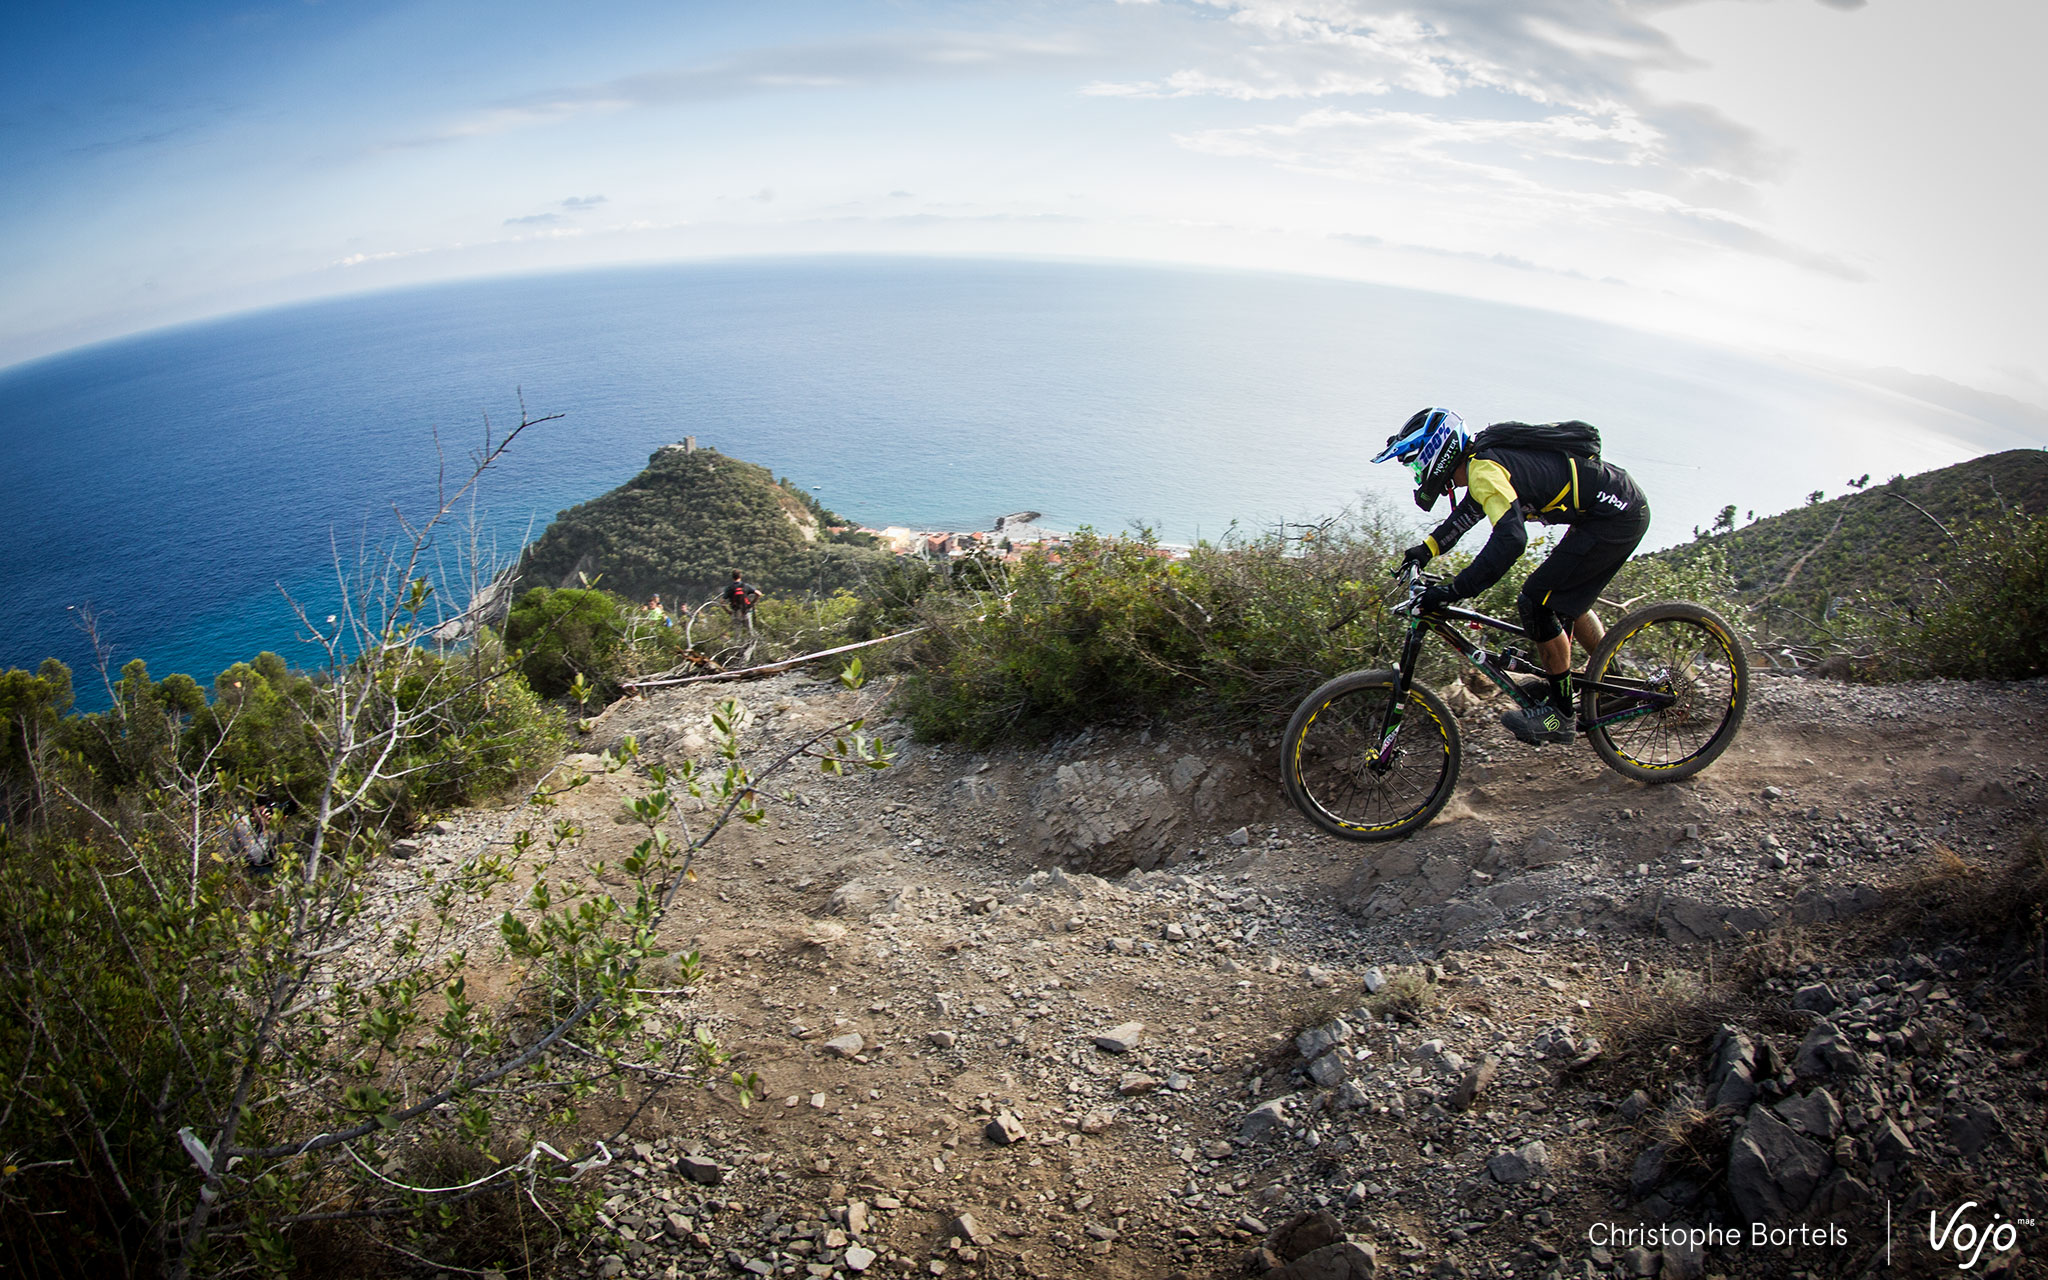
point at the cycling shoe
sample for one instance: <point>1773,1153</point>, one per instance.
<point>1541,726</point>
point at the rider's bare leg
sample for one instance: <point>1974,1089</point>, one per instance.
<point>1556,652</point>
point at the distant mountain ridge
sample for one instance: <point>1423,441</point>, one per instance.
<point>685,523</point>
<point>1880,541</point>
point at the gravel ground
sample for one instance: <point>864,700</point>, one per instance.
<point>1105,1007</point>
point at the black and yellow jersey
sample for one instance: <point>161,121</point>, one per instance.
<point>1512,486</point>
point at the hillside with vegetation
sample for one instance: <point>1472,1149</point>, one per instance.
<point>1881,545</point>
<point>685,523</point>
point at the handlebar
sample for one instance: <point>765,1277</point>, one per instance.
<point>1413,579</point>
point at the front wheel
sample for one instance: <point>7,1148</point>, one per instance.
<point>1335,772</point>
<point>1693,666</point>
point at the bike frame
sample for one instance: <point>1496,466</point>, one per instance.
<point>1636,699</point>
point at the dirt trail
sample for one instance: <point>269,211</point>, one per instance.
<point>926,910</point>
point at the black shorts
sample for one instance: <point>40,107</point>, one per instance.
<point>1567,583</point>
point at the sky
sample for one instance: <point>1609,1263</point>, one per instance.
<point>1855,181</point>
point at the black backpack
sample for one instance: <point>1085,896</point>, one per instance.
<point>1581,439</point>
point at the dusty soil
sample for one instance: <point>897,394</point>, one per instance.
<point>935,911</point>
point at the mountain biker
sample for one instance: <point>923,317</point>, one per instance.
<point>1550,474</point>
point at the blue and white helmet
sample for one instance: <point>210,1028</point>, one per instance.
<point>1432,443</point>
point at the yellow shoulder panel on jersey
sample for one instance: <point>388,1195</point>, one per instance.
<point>1489,482</point>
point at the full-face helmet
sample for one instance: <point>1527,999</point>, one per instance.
<point>1432,443</point>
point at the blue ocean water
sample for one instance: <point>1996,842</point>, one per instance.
<point>177,482</point>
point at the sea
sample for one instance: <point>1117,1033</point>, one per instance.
<point>190,490</point>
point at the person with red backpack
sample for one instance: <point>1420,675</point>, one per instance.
<point>740,598</point>
<point>1513,472</point>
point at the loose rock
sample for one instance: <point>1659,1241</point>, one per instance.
<point>1121,1039</point>
<point>1004,1130</point>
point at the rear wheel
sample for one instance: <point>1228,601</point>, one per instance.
<point>1685,653</point>
<point>1329,759</point>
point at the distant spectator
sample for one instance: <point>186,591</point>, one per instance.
<point>251,839</point>
<point>740,598</point>
<point>656,613</point>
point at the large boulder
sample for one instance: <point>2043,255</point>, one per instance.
<point>1305,1233</point>
<point>1530,1160</point>
<point>1263,1121</point>
<point>1973,1126</point>
<point>1772,1171</point>
<point>1232,789</point>
<point>1688,919</point>
<point>1817,1114</point>
<point>1345,1260</point>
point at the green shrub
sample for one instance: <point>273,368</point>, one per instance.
<point>90,959</point>
<point>1990,618</point>
<point>805,624</point>
<point>561,634</point>
<point>1112,629</point>
<point>486,732</point>
<point>889,597</point>
<point>31,708</point>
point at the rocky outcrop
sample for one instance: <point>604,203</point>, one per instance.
<point>1107,815</point>
<point>1104,817</point>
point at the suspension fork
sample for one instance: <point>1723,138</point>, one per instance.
<point>1404,676</point>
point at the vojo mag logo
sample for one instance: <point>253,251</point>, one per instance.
<point>1968,1239</point>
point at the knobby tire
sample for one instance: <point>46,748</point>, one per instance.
<point>1678,648</point>
<point>1325,759</point>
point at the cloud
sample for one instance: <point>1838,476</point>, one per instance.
<point>1740,234</point>
<point>955,219</point>
<point>1497,259</point>
<point>1556,175</point>
<point>130,142</point>
<point>574,204</point>
<point>1552,57</point>
<point>1528,123</point>
<point>1374,143</point>
<point>358,259</point>
<point>786,69</point>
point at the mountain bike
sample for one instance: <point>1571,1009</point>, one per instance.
<point>1373,755</point>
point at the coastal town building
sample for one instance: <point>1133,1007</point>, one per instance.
<point>1011,538</point>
